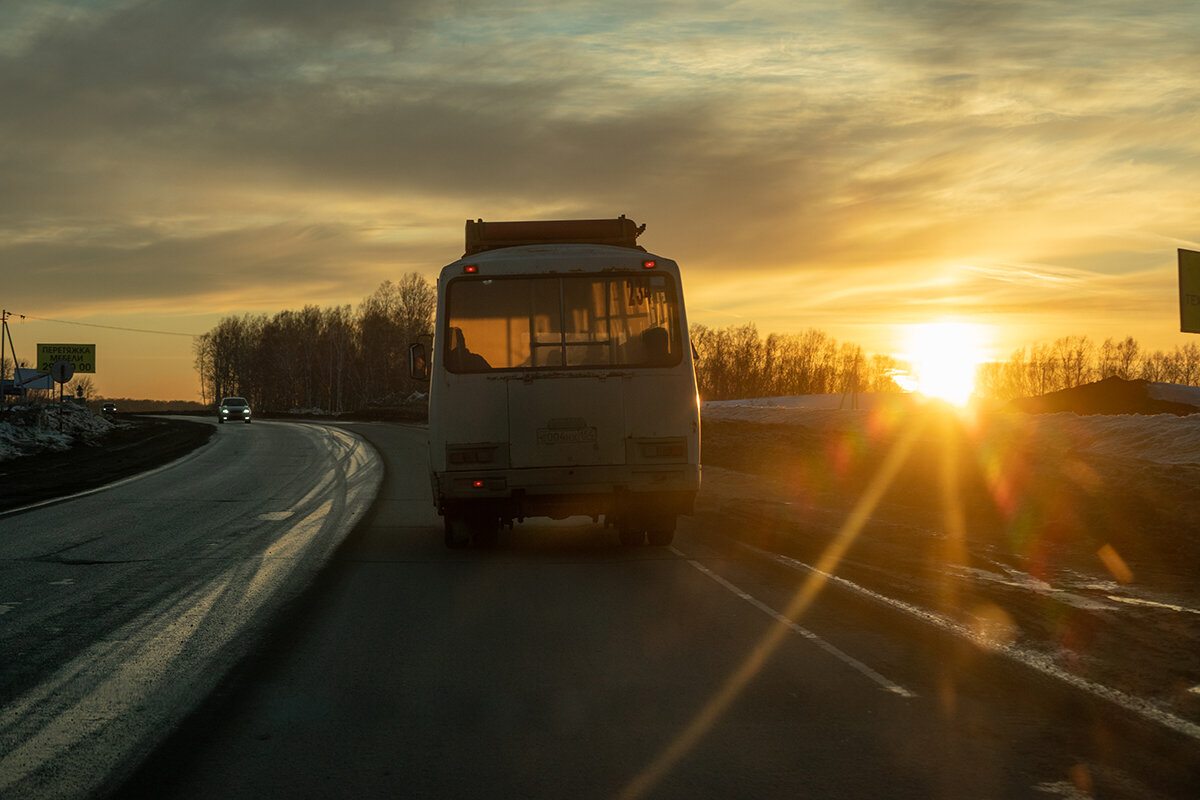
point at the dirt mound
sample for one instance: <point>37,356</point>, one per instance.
<point>1110,396</point>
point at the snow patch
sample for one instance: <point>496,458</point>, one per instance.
<point>1159,438</point>
<point>29,429</point>
<point>1174,393</point>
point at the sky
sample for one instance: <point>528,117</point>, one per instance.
<point>860,167</point>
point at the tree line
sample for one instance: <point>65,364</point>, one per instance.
<point>333,359</point>
<point>340,359</point>
<point>1076,360</point>
<point>735,362</point>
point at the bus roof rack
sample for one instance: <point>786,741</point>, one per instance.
<point>482,236</point>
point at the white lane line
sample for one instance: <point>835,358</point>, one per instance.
<point>841,655</point>
<point>1035,661</point>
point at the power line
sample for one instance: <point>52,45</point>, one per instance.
<point>109,327</point>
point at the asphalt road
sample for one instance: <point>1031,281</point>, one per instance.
<point>560,664</point>
<point>120,609</point>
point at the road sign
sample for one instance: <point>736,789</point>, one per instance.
<point>62,371</point>
<point>1189,291</point>
<point>32,379</point>
<point>81,356</point>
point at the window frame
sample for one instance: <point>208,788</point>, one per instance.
<point>607,277</point>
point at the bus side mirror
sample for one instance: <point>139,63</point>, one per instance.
<point>418,362</point>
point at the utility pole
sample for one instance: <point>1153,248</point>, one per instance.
<point>3,333</point>
<point>3,336</point>
<point>6,338</point>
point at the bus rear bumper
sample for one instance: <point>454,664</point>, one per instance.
<point>612,491</point>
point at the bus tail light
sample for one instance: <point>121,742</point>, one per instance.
<point>470,486</point>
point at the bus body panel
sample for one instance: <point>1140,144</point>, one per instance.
<point>566,422</point>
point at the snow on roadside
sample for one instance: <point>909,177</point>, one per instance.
<point>1174,393</point>
<point>29,429</point>
<point>1160,438</point>
<point>822,411</point>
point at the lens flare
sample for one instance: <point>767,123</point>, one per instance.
<point>945,357</point>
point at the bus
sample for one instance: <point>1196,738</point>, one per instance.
<point>561,383</point>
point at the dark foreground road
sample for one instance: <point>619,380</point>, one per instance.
<point>562,665</point>
<point>121,609</point>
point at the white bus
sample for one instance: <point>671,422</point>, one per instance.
<point>560,383</point>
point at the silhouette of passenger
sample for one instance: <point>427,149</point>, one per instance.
<point>657,346</point>
<point>460,359</point>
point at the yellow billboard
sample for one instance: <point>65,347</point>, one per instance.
<point>81,356</point>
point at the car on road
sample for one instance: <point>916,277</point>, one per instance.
<point>108,408</point>
<point>234,408</point>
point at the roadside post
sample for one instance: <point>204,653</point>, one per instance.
<point>1189,291</point>
<point>61,371</point>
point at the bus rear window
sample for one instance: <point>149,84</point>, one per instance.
<point>558,321</point>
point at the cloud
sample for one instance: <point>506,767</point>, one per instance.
<point>803,161</point>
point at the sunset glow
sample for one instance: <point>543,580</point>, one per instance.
<point>944,358</point>
<point>849,169</point>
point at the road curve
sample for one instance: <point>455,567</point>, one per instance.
<point>121,609</point>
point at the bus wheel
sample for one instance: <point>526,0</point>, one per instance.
<point>485,532</point>
<point>631,536</point>
<point>661,530</point>
<point>660,538</point>
<point>457,531</point>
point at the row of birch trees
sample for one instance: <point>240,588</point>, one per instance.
<point>333,359</point>
<point>1077,360</point>
<point>736,362</point>
<point>343,358</point>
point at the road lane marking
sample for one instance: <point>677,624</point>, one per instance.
<point>841,655</point>
<point>1033,660</point>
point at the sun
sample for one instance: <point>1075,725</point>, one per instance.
<point>944,357</point>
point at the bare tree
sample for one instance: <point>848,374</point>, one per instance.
<point>1189,364</point>
<point>1127,358</point>
<point>338,342</point>
<point>881,374</point>
<point>389,319</point>
<point>1073,355</point>
<point>202,347</point>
